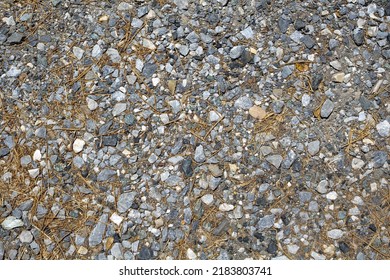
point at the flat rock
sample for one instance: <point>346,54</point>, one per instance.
<point>125,201</point>
<point>383,128</point>
<point>119,108</point>
<point>199,154</point>
<point>257,112</point>
<point>313,147</point>
<point>11,222</point>
<point>327,109</point>
<point>78,145</point>
<point>275,160</point>
<point>335,233</point>
<point>96,236</point>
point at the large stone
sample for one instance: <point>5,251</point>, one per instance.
<point>125,201</point>
<point>96,236</point>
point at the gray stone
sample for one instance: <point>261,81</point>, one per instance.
<point>247,33</point>
<point>358,36</point>
<point>313,206</point>
<point>110,140</point>
<point>78,162</point>
<point>114,55</point>
<point>283,24</point>
<point>236,52</point>
<point>105,175</point>
<point>149,69</point>
<point>145,253</point>
<point>207,199</point>
<point>123,6</point>
<point>26,237</point>
<point>1,250</point>
<point>308,41</point>
<point>287,71</point>
<point>11,222</point>
<point>119,108</point>
<point>383,128</point>
<point>183,50</point>
<point>13,72</point>
<point>335,233</point>
<point>333,44</point>
<point>26,205</point>
<point>4,152</point>
<point>181,4</point>
<point>327,108</point>
<point>289,160</point>
<point>304,196</point>
<point>186,167</point>
<point>266,222</point>
<point>222,227</point>
<point>125,201</point>
<point>243,102</point>
<point>78,52</point>
<point>96,236</point>
<point>214,182</point>
<point>275,160</point>
<point>117,251</point>
<point>41,132</point>
<point>379,158</point>
<point>199,154</point>
<point>313,147</point>
<point>15,38</point>
<point>130,119</point>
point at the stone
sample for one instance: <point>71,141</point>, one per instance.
<point>105,175</point>
<point>125,201</point>
<point>145,253</point>
<point>207,199</point>
<point>275,160</point>
<point>119,108</point>
<point>215,170</point>
<point>13,72</point>
<point>333,44</point>
<point>304,196</point>
<point>199,154</point>
<point>183,50</point>
<point>97,51</point>
<point>327,109</point>
<point>110,140</point>
<point>379,158</point>
<point>15,38</point>
<point>114,55</point>
<point>243,102</point>
<point>116,219</point>
<point>358,36</point>
<point>344,247</point>
<point>92,104</point>
<point>272,247</point>
<point>338,77</point>
<point>149,69</point>
<point>336,65</point>
<point>26,237</point>
<point>224,207</point>
<point>257,112</point>
<point>357,163</point>
<point>332,195</point>
<point>266,222</point>
<point>41,132</point>
<point>322,187</point>
<point>308,41</point>
<point>292,248</point>
<point>247,33</point>
<point>96,236</point>
<point>117,251</point>
<point>11,222</point>
<point>283,24</point>
<point>191,255</point>
<point>335,233</point>
<point>4,152</point>
<point>33,172</point>
<point>213,116</point>
<point>123,6</point>
<point>313,147</point>
<point>186,167</point>
<point>236,52</point>
<point>78,145</point>
<point>383,128</point>
<point>78,52</point>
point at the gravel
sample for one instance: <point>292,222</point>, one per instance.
<point>237,128</point>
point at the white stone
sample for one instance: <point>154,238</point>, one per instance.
<point>123,6</point>
<point>247,32</point>
<point>357,163</point>
<point>11,222</point>
<point>357,200</point>
<point>164,118</point>
<point>78,145</point>
<point>37,156</point>
<point>383,128</point>
<point>78,52</point>
<point>13,72</point>
<point>119,108</point>
<point>190,254</point>
<point>148,44</point>
<point>332,195</point>
<point>207,199</point>
<point>34,173</point>
<point>213,116</point>
<point>92,104</point>
<point>26,237</point>
<point>224,207</point>
<point>96,51</point>
<point>336,65</point>
<point>116,219</point>
<point>9,20</point>
<point>155,81</point>
<point>335,233</point>
<point>292,248</point>
<point>306,100</point>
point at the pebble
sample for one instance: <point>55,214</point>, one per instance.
<point>257,112</point>
<point>383,128</point>
<point>145,253</point>
<point>78,145</point>
<point>224,207</point>
<point>116,219</point>
<point>308,41</point>
<point>33,172</point>
<point>191,255</point>
<point>335,233</point>
<point>13,72</point>
<point>96,236</point>
<point>15,38</point>
<point>199,154</point>
<point>92,104</point>
<point>322,187</point>
<point>26,237</point>
<point>332,195</point>
<point>306,100</point>
<point>337,65</point>
<point>266,222</point>
<point>236,52</point>
<point>379,158</point>
<point>358,36</point>
<point>207,199</point>
<point>114,55</point>
<point>78,52</point>
<point>119,108</point>
<point>338,77</point>
<point>97,51</point>
<point>275,160</point>
<point>244,103</point>
<point>125,201</point>
<point>11,222</point>
<point>117,251</point>
<point>292,248</point>
<point>327,108</point>
<point>357,163</point>
<point>313,147</point>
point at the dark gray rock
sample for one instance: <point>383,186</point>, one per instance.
<point>308,41</point>
<point>4,152</point>
<point>105,175</point>
<point>186,167</point>
<point>110,140</point>
<point>145,253</point>
<point>15,38</point>
<point>379,158</point>
<point>358,36</point>
<point>149,69</point>
<point>125,201</point>
<point>283,24</point>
